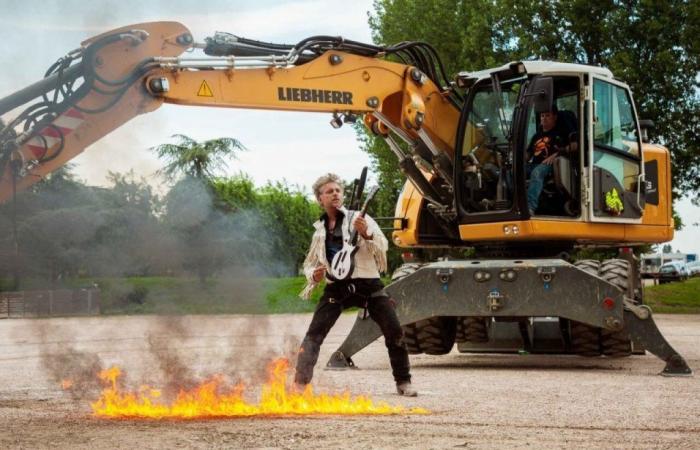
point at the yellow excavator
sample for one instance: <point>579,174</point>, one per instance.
<point>461,143</point>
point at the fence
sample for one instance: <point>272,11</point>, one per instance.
<point>59,302</point>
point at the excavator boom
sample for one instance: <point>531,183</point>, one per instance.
<point>133,70</point>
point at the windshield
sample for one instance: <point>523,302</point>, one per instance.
<point>485,121</point>
<point>486,150</point>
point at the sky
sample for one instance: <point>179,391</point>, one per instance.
<point>291,146</point>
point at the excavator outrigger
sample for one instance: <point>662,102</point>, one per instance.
<point>460,144</point>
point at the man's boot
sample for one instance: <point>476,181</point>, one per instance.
<point>404,388</point>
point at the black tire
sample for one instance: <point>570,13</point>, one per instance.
<point>405,270</point>
<point>410,331</point>
<point>472,329</point>
<point>589,265</point>
<point>616,272</point>
<point>434,336</point>
<point>585,339</point>
<point>616,344</point>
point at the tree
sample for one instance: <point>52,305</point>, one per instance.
<point>200,160</point>
<point>190,208</point>
<point>651,45</point>
<point>56,220</point>
<point>130,241</point>
<point>288,214</point>
<point>276,219</point>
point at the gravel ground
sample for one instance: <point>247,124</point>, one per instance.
<point>477,401</point>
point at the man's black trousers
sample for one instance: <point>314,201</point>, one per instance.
<point>345,294</point>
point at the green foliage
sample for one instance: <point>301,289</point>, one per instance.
<point>235,193</point>
<point>462,32</point>
<point>202,227</point>
<point>288,213</point>
<point>282,217</point>
<point>66,228</point>
<point>200,160</point>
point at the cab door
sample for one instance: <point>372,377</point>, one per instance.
<point>615,168</point>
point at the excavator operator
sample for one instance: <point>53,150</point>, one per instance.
<point>551,140</point>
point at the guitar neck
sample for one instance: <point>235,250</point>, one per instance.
<point>363,211</point>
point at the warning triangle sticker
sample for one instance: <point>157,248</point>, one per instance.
<point>204,90</point>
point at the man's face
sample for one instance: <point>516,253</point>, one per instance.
<point>331,196</point>
<point>548,120</point>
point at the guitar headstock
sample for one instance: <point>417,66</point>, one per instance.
<point>369,198</point>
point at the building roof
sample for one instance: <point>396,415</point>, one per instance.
<point>674,255</point>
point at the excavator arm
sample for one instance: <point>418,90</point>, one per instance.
<point>85,96</point>
<point>133,70</point>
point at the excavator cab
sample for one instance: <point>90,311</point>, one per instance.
<point>597,179</point>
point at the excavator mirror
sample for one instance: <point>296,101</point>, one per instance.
<point>543,94</point>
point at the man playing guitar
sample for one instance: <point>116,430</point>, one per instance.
<point>362,287</point>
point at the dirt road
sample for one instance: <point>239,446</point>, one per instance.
<point>477,401</point>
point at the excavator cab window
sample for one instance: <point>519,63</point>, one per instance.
<point>489,189</point>
<point>616,154</point>
<point>485,180</point>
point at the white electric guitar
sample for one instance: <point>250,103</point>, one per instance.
<point>343,262</point>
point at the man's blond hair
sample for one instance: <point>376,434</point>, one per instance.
<point>323,180</point>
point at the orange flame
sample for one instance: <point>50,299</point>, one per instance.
<point>66,384</point>
<point>213,398</point>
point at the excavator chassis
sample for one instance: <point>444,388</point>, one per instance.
<point>517,292</point>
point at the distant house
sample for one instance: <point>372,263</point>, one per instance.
<point>652,262</point>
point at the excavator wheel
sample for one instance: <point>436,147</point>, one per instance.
<point>615,343</point>
<point>434,336</point>
<point>410,331</point>
<point>472,329</point>
<point>410,337</point>
<point>585,339</point>
<point>405,270</point>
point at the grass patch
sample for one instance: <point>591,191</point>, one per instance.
<point>178,295</point>
<point>674,298</point>
<point>282,295</point>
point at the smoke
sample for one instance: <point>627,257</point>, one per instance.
<point>213,262</point>
<point>163,344</point>
<point>185,351</point>
<point>175,353</point>
<point>68,230</point>
<point>76,371</point>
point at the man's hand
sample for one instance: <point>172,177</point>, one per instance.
<point>319,273</point>
<point>360,225</point>
<point>550,159</point>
